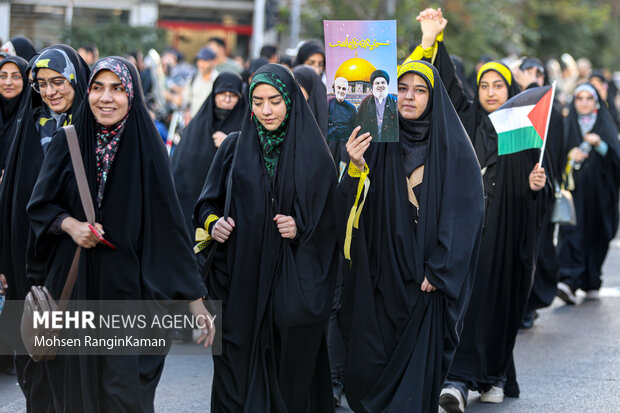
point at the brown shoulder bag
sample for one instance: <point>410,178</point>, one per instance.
<point>39,299</point>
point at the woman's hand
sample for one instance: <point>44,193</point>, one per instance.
<point>222,229</point>
<point>3,283</point>
<point>81,233</point>
<point>218,138</point>
<point>356,147</point>
<point>432,23</point>
<point>576,155</point>
<point>538,178</point>
<point>286,226</point>
<point>205,320</point>
<point>593,139</point>
<point>427,286</point>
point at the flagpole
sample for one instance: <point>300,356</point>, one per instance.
<point>542,150</point>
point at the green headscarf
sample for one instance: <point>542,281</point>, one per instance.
<point>271,141</point>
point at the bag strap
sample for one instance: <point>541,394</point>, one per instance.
<point>80,174</point>
<point>87,204</point>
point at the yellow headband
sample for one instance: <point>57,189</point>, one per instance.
<point>420,68</point>
<point>499,68</point>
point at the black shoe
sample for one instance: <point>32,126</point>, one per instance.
<point>528,319</point>
<point>337,389</point>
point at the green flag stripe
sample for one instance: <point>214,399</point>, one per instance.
<point>518,140</point>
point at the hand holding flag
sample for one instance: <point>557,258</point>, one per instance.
<point>523,121</point>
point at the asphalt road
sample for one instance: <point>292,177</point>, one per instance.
<point>568,362</point>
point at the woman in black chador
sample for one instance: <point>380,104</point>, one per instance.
<point>61,79</point>
<point>131,186</point>
<point>13,93</point>
<point>220,114</point>
<point>595,162</point>
<point>267,205</point>
<point>315,93</point>
<point>516,192</point>
<point>417,206</point>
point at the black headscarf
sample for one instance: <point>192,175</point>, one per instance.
<point>414,133</point>
<point>153,259</point>
<point>317,95</point>
<point>192,158</point>
<point>514,216</point>
<point>9,108</point>
<point>276,292</point>
<point>22,169</point>
<point>401,340</point>
<point>598,179</point>
<point>481,130</point>
<point>22,47</point>
<point>306,50</point>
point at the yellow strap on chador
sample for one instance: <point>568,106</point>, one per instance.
<point>203,238</point>
<point>414,180</point>
<point>356,211</point>
<point>499,68</point>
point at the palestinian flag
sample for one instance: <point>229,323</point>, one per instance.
<point>521,123</point>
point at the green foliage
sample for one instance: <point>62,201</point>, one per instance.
<point>542,28</point>
<point>115,38</point>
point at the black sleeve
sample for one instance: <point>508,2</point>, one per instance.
<point>213,195</point>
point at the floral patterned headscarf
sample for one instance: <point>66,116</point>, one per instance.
<point>108,137</point>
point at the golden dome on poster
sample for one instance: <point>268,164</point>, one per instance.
<point>355,70</point>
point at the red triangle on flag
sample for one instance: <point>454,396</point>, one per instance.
<point>539,115</point>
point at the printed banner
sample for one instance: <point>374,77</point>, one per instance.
<point>362,89</point>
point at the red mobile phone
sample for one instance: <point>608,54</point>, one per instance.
<point>105,241</point>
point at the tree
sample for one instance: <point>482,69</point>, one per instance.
<point>542,28</point>
<point>116,38</point>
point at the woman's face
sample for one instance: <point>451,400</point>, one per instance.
<point>11,82</point>
<point>317,61</point>
<point>492,91</point>
<point>585,103</point>
<point>268,106</point>
<point>107,98</point>
<point>56,91</point>
<point>226,100</point>
<point>413,96</point>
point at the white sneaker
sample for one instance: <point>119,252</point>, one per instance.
<point>566,294</point>
<point>494,395</point>
<point>592,295</point>
<point>451,400</point>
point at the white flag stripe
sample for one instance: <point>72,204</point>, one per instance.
<point>505,120</point>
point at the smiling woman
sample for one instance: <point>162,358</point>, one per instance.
<point>108,99</point>
<point>37,123</point>
<point>124,158</point>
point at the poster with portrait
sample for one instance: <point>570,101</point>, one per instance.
<point>362,87</point>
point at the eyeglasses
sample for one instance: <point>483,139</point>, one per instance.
<point>56,85</point>
<point>15,78</point>
<point>228,95</point>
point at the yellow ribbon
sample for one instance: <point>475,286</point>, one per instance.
<point>203,238</point>
<point>202,235</point>
<point>356,211</point>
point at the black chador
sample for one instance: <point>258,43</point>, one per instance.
<point>317,95</point>
<point>276,292</point>
<point>583,248</point>
<point>9,108</point>
<point>129,178</point>
<point>23,164</point>
<point>400,340</point>
<point>192,158</point>
<point>514,216</point>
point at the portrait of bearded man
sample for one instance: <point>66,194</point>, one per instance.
<point>342,114</point>
<point>378,112</point>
